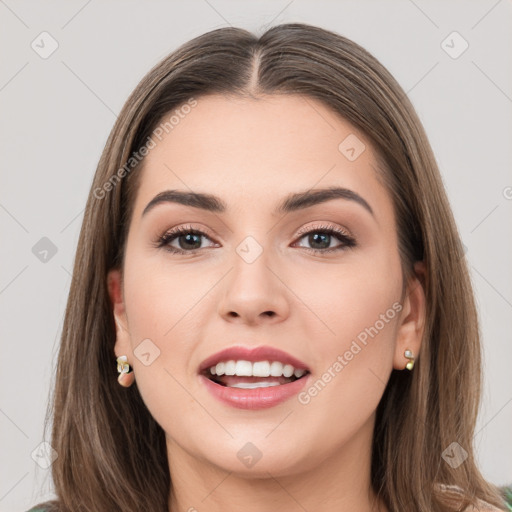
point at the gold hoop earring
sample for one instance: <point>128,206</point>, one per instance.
<point>409,355</point>
<point>126,377</point>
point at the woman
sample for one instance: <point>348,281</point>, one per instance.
<point>269,261</point>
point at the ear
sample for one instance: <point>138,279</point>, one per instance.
<point>115,290</point>
<point>412,319</point>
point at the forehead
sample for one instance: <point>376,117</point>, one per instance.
<point>252,152</point>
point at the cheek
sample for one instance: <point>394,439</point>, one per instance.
<point>160,311</point>
<point>163,297</point>
<point>357,309</point>
<point>361,307</point>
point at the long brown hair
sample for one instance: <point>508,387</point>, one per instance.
<point>111,452</point>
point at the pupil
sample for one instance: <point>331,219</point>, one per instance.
<point>189,239</point>
<point>313,239</point>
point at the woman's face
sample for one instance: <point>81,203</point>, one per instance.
<point>264,276</point>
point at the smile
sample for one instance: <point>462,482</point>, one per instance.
<point>257,385</point>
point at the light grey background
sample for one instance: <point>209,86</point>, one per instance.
<point>58,111</point>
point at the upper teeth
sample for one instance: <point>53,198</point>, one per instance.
<point>257,369</point>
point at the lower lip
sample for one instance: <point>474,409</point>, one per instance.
<point>258,398</point>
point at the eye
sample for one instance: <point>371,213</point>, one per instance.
<point>188,239</point>
<point>321,237</point>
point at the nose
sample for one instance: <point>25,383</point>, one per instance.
<point>254,293</point>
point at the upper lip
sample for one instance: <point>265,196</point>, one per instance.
<point>261,353</point>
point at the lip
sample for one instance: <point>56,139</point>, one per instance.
<point>262,353</point>
<point>259,398</point>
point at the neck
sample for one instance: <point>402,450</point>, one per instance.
<point>339,481</point>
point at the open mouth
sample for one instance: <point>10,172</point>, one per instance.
<point>253,384</point>
<point>242,382</point>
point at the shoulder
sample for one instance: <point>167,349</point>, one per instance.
<point>506,493</point>
<point>481,505</point>
<point>48,506</point>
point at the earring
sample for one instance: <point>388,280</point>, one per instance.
<point>126,377</point>
<point>409,355</point>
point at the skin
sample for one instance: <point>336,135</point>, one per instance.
<point>252,153</point>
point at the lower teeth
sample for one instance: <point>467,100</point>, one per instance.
<point>250,385</point>
<point>253,385</point>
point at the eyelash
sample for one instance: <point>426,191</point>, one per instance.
<point>347,241</point>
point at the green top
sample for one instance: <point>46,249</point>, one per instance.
<point>507,494</point>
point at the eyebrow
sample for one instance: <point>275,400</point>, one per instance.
<point>291,203</point>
